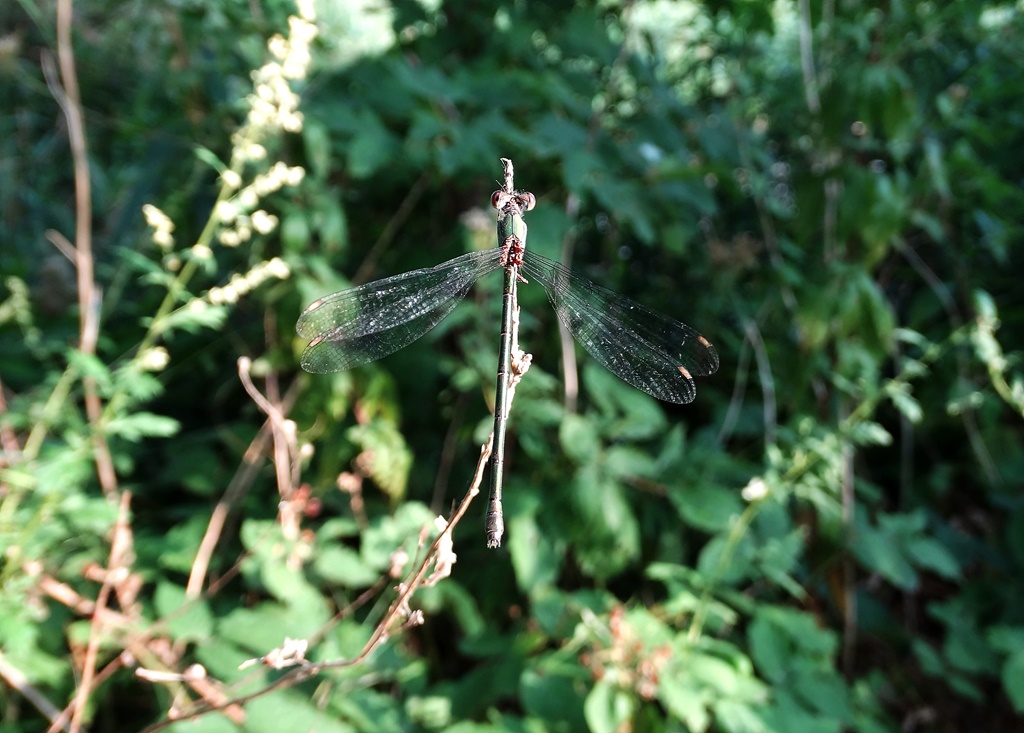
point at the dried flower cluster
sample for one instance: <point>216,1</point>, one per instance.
<point>240,285</point>
<point>273,107</point>
<point>240,214</point>
<point>161,225</point>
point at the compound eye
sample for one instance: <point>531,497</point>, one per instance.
<point>527,201</point>
<point>498,199</point>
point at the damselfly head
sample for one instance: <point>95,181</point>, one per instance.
<point>523,200</point>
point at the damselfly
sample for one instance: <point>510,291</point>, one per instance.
<point>650,351</point>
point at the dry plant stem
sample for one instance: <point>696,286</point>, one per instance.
<point>361,600</point>
<point>58,240</point>
<point>240,482</point>
<point>274,393</point>
<point>413,581</point>
<point>19,682</point>
<point>68,96</point>
<point>570,368</point>
<point>70,102</point>
<point>120,548</point>
<point>380,633</point>
<point>61,721</point>
<point>154,651</point>
<point>807,59</point>
<point>285,450</point>
<point>771,238</point>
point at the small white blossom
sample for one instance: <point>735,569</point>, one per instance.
<point>229,238</point>
<point>307,9</point>
<point>278,268</point>
<point>755,489</point>
<point>225,211</point>
<point>248,197</point>
<point>155,359</point>
<point>231,178</point>
<point>202,252</point>
<point>163,239</point>
<point>263,222</point>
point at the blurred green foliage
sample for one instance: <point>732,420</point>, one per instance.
<point>830,538</point>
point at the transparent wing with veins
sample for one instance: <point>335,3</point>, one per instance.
<point>357,326</point>
<point>644,348</point>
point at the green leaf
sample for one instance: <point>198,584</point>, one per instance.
<point>536,556</point>
<point>554,696</point>
<point>770,649</point>
<point>209,157</point>
<point>931,554</point>
<point>610,533</point>
<point>371,147</point>
<point>1007,638</point>
<point>142,425</point>
<point>195,317</point>
<point>388,458</point>
<point>1013,680</point>
<point>578,438</point>
<point>626,461</point>
<point>879,551</point>
<point>296,233</point>
<point>90,366</point>
<point>823,691</point>
<point>684,702</point>
<point>906,404</point>
<point>737,717</point>
<point>725,561</point>
<point>608,708</point>
<point>867,432</point>
<point>188,620</point>
<point>707,507</point>
<point>344,566</point>
<point>389,532</point>
<point>290,710</point>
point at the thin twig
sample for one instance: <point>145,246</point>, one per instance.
<point>66,92</point>
<point>738,389</point>
<point>117,565</point>
<point>764,371</point>
<point>18,681</point>
<point>240,482</point>
<point>286,450</point>
<point>807,59</point>
<point>61,722</point>
<point>382,630</point>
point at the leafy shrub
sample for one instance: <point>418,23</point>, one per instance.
<point>828,539</point>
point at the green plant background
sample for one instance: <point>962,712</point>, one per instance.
<point>830,538</point>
